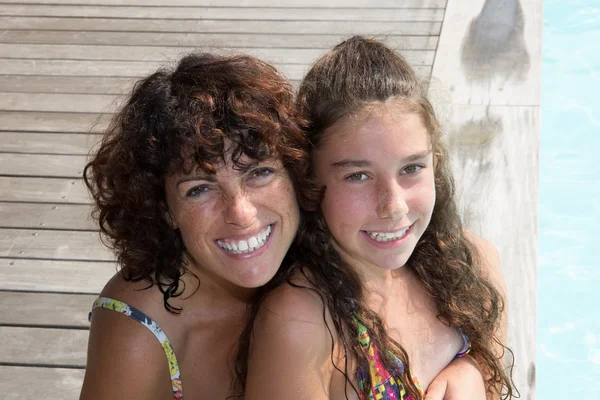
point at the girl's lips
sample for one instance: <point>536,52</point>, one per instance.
<point>389,244</point>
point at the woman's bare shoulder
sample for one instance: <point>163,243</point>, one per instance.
<point>139,294</point>
<point>124,358</point>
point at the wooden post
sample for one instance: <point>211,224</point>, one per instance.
<point>488,68</point>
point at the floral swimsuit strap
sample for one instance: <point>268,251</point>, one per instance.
<point>383,384</point>
<point>466,347</point>
<point>139,316</point>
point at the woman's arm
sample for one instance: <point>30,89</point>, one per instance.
<point>290,357</point>
<point>460,380</point>
<point>125,361</point>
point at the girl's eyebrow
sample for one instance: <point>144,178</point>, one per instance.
<point>350,163</point>
<point>417,156</point>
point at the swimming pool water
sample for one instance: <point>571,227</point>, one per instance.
<point>568,354</point>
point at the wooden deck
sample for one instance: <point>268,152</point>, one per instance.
<point>64,67</point>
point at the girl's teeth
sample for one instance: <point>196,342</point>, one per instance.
<point>246,246</point>
<point>387,236</point>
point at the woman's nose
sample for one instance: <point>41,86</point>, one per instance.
<point>240,210</point>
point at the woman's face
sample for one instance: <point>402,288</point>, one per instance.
<point>378,171</point>
<point>237,225</point>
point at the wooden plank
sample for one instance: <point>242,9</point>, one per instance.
<point>121,68</point>
<point>55,276</point>
<point>207,41</point>
<point>53,122</point>
<point>48,143</point>
<point>217,26</point>
<point>495,48</point>
<point>251,3</point>
<point>45,309</point>
<point>154,53</point>
<point>162,53</point>
<point>72,84</point>
<point>50,383</point>
<point>74,67</point>
<point>44,346</point>
<point>226,13</point>
<point>66,84</point>
<point>54,165</point>
<point>59,102</point>
<point>43,190</point>
<point>61,245</point>
<point>46,216</point>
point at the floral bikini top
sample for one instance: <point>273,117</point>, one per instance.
<point>383,384</point>
<point>139,316</point>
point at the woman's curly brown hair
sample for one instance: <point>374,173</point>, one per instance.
<point>356,74</point>
<point>176,120</point>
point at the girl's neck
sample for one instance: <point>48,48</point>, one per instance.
<point>376,281</point>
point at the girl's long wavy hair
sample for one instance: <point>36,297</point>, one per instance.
<point>193,116</point>
<point>356,74</point>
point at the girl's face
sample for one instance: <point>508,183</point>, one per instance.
<point>378,171</point>
<point>236,225</point>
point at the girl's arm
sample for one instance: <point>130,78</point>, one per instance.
<point>462,379</point>
<point>290,355</point>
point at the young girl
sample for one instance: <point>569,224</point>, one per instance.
<point>194,187</point>
<point>388,273</point>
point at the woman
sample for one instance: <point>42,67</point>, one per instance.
<point>388,275</point>
<point>193,186</point>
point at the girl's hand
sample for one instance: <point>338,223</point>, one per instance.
<point>460,380</point>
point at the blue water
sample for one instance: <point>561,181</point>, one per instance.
<point>568,350</point>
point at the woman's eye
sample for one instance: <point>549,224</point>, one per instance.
<point>357,177</point>
<point>197,191</point>
<point>261,172</point>
<point>411,169</point>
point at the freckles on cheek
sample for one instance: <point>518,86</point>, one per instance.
<point>192,222</point>
<point>423,198</point>
<point>345,209</point>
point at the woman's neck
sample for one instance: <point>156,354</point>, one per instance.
<point>206,286</point>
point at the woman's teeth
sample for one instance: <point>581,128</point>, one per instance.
<point>387,236</point>
<point>248,245</point>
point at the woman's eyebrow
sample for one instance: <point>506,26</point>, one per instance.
<point>196,177</point>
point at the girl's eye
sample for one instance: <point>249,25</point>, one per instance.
<point>411,169</point>
<point>261,173</point>
<point>197,191</point>
<point>357,177</point>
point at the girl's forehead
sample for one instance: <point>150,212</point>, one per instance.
<point>367,124</point>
